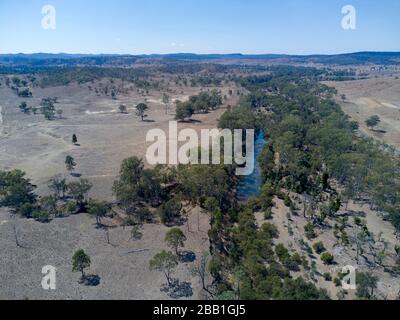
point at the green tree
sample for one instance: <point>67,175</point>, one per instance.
<point>170,210</point>
<point>80,262</point>
<point>175,238</point>
<point>47,108</point>
<point>366,284</point>
<point>98,209</point>
<point>16,192</point>
<point>123,109</point>
<point>70,163</point>
<point>184,111</point>
<point>49,204</point>
<point>372,122</point>
<point>164,262</point>
<point>79,191</point>
<point>74,139</point>
<point>136,184</point>
<point>24,107</point>
<point>59,185</point>
<point>141,109</point>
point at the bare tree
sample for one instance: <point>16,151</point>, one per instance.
<point>199,269</point>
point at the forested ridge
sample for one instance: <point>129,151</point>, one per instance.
<point>314,151</point>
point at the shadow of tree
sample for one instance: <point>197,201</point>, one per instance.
<point>90,280</point>
<point>187,256</point>
<point>177,289</point>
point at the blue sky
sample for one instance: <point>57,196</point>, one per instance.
<point>199,26</point>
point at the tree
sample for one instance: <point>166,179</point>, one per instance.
<point>80,262</point>
<point>70,163</point>
<point>184,110</point>
<point>136,184</point>
<point>199,269</point>
<point>48,204</point>
<point>59,185</point>
<point>141,110</point>
<point>16,192</point>
<point>170,210</point>
<point>165,100</point>
<point>123,109</point>
<point>164,262</point>
<point>372,122</point>
<point>175,238</point>
<point>48,109</point>
<point>366,284</point>
<point>74,139</point>
<point>24,107</point>
<point>98,209</point>
<point>79,190</point>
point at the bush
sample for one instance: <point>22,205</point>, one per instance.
<point>288,202</point>
<point>70,208</point>
<point>327,276</point>
<point>337,282</point>
<point>268,214</point>
<point>309,231</point>
<point>144,214</point>
<point>26,210</point>
<point>319,247</point>
<point>41,216</point>
<point>327,258</point>
<point>306,247</point>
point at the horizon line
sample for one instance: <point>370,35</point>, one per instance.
<point>198,54</point>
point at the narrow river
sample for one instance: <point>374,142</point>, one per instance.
<point>251,185</point>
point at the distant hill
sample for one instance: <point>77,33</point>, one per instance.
<point>64,59</point>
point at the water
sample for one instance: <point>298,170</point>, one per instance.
<point>251,185</point>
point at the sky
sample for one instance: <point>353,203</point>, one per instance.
<point>199,26</point>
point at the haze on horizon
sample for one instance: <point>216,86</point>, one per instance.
<point>298,27</point>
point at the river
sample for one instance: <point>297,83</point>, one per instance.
<point>251,185</point>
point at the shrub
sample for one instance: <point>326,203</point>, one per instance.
<point>319,247</point>
<point>327,258</point>
<point>41,216</point>
<point>337,282</point>
<point>327,276</point>
<point>268,214</point>
<point>309,231</point>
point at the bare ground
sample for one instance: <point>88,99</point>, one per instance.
<point>122,265</point>
<point>375,96</point>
